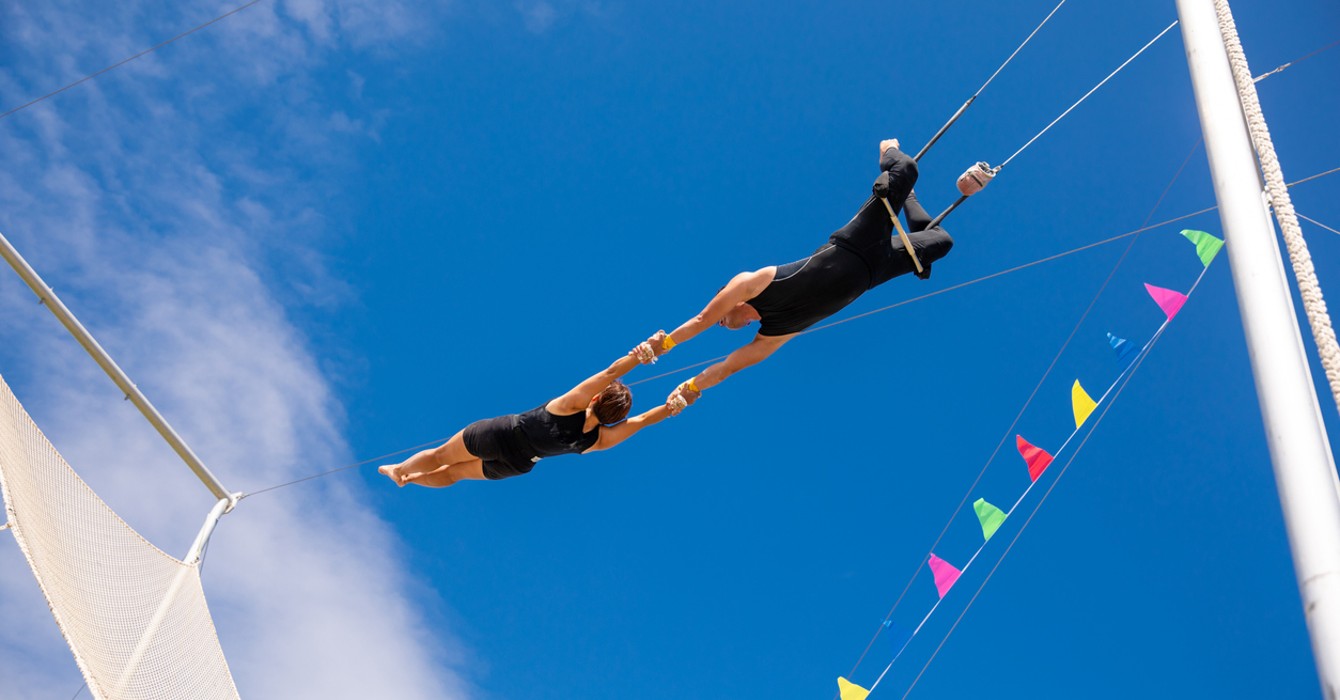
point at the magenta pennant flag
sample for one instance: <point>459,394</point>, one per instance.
<point>1168,300</point>
<point>945,574</point>
<point>1036,458</point>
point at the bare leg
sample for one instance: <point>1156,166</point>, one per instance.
<point>428,461</point>
<point>450,474</point>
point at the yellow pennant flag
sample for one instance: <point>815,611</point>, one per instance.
<point>850,691</point>
<point>1082,404</point>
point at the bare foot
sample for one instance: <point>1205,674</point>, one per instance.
<point>389,471</point>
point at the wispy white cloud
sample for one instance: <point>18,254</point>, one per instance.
<point>537,15</point>
<point>540,16</point>
<point>141,200</point>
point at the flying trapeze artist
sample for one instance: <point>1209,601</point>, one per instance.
<point>787,299</point>
<point>587,418</point>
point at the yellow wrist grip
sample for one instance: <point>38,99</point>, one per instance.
<point>668,343</point>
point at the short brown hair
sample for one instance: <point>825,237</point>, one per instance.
<point>612,404</point>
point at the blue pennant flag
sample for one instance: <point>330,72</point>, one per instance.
<point>1125,349</point>
<point>898,635</point>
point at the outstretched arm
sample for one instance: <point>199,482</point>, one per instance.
<point>758,350</point>
<point>579,396</point>
<point>742,287</point>
<point>611,435</point>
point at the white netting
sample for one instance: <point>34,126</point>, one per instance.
<point>135,618</point>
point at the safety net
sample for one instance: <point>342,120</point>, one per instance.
<point>134,617</point>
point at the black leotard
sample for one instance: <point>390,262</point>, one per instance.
<point>511,445</point>
<point>859,256</point>
<point>550,435</point>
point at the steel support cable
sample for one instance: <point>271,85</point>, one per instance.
<point>1024,409</point>
<point>1316,223</point>
<point>905,302</point>
<point>1281,69</point>
<point>984,278</point>
<point>124,61</point>
<point>346,467</point>
<point>1309,288</point>
<point>970,100</point>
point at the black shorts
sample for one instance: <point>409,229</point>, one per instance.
<point>497,443</point>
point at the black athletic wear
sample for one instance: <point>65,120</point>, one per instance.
<point>552,435</point>
<point>859,256</point>
<point>511,445</point>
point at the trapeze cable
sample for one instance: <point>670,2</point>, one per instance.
<point>993,171</point>
<point>970,100</point>
<point>124,61</point>
<point>1087,94</point>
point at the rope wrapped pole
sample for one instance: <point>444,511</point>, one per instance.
<point>1308,287</point>
<point>1300,453</point>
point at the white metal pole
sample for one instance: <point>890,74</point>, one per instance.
<point>108,365</point>
<point>1304,465</point>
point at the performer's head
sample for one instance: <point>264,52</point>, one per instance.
<point>611,405</point>
<point>742,315</point>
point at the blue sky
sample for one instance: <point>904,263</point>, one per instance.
<point>317,232</point>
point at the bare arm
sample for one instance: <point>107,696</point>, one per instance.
<point>758,350</point>
<point>742,287</point>
<point>611,435</point>
<point>577,398</point>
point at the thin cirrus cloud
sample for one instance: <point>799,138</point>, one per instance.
<point>150,212</point>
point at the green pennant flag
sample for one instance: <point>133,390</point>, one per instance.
<point>1207,246</point>
<point>991,517</point>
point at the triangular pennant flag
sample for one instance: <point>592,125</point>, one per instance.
<point>991,516</point>
<point>1168,300</point>
<point>1207,246</point>
<point>1036,458</point>
<point>1125,349</point>
<point>898,635</point>
<point>945,574</point>
<point>1082,404</point>
<point>850,691</point>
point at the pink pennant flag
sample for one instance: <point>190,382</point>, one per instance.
<point>1036,458</point>
<point>1168,300</point>
<point>945,574</point>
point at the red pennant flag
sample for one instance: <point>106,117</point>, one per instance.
<point>1036,458</point>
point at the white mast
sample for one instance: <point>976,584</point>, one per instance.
<point>1304,466</point>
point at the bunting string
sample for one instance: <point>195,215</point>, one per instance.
<point>945,574</point>
<point>1144,226</point>
<point>1120,385</point>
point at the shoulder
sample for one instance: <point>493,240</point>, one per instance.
<point>560,407</point>
<point>748,284</point>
